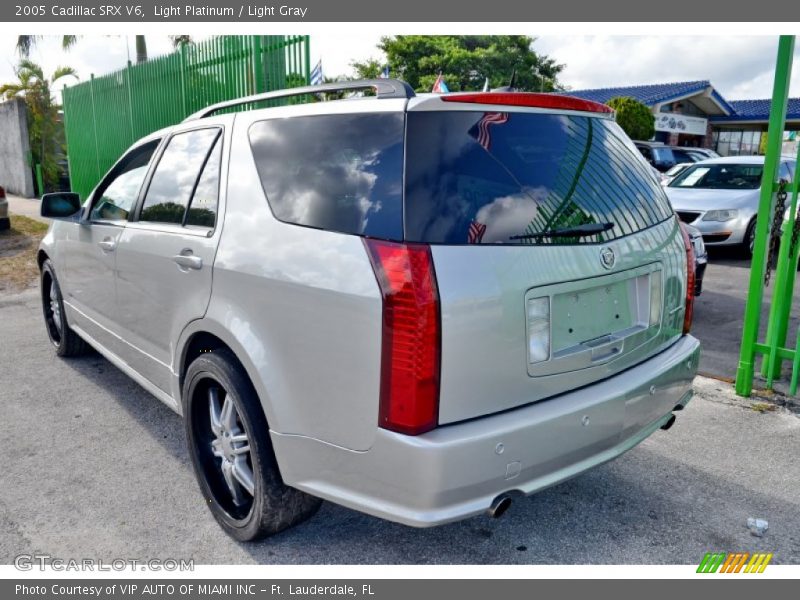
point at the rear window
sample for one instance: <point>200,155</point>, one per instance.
<point>335,172</point>
<point>500,178</point>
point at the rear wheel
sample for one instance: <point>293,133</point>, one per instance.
<point>231,452</point>
<point>66,342</point>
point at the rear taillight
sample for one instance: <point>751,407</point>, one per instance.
<point>409,395</point>
<point>690,282</point>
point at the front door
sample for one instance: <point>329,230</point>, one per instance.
<point>90,248</point>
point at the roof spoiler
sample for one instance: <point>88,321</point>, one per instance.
<point>384,88</point>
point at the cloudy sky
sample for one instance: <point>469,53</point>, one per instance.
<point>739,66</point>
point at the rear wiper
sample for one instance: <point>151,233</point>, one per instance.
<point>577,231</point>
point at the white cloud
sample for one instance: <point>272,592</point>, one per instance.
<point>740,67</point>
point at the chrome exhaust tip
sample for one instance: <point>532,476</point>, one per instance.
<point>499,506</point>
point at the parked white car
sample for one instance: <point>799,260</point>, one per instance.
<point>720,198</point>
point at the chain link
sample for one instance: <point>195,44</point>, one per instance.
<point>775,231</point>
<point>795,233</point>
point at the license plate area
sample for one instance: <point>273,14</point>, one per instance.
<point>598,320</point>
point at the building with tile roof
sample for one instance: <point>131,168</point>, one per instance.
<point>694,113</point>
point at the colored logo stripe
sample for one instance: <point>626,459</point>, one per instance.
<point>734,562</point>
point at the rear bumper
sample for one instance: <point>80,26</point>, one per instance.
<point>457,470</point>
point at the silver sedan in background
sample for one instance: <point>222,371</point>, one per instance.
<point>720,198</point>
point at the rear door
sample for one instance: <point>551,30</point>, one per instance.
<point>165,256</point>
<point>558,258</point>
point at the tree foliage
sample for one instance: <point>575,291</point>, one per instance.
<point>35,88</point>
<point>465,62</point>
<point>634,117</point>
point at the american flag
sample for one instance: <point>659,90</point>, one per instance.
<point>475,232</point>
<point>481,132</point>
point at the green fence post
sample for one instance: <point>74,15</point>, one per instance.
<point>259,75</point>
<point>786,269</point>
<point>307,52</point>
<point>777,121</point>
<point>94,121</point>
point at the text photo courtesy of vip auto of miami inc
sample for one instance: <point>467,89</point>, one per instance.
<point>381,299</point>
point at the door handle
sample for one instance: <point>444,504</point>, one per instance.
<point>107,245</point>
<point>187,260</point>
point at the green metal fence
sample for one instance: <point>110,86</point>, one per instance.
<point>105,115</point>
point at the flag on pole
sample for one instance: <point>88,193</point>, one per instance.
<point>440,87</point>
<point>486,85</point>
<point>385,72</point>
<point>316,74</point>
<point>481,131</point>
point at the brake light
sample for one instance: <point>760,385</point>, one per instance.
<point>530,99</point>
<point>690,279</point>
<point>411,346</point>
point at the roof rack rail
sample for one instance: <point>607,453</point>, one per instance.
<point>384,88</point>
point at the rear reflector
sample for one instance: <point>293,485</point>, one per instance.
<point>690,279</point>
<point>554,101</point>
<point>409,396</point>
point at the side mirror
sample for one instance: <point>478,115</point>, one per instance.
<point>60,205</point>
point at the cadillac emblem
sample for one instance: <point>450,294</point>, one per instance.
<point>607,258</point>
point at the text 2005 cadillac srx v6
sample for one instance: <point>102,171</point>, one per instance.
<point>416,306</point>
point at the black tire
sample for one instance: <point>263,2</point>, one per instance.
<point>273,506</point>
<point>66,342</point>
<point>749,239</point>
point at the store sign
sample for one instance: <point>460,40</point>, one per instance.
<point>674,123</point>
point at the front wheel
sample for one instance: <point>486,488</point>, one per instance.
<point>231,452</point>
<point>749,242</point>
<point>64,340</point>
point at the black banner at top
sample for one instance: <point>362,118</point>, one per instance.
<point>266,11</point>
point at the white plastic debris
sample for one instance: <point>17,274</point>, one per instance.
<point>757,527</point>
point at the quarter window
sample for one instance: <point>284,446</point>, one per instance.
<point>335,172</point>
<point>117,195</point>
<point>189,165</point>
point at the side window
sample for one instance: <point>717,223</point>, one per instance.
<point>203,206</point>
<point>178,175</point>
<point>784,172</point>
<point>117,195</point>
<point>339,173</point>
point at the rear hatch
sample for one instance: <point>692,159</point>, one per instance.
<point>557,256</point>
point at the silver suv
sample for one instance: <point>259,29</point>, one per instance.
<point>419,307</point>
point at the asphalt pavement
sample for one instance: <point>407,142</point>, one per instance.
<point>719,313</point>
<point>94,467</point>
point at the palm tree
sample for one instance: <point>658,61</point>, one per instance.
<point>35,88</point>
<point>25,43</point>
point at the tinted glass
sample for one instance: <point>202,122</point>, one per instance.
<point>683,156</point>
<point>663,154</point>
<point>203,207</point>
<point>335,172</point>
<point>175,176</point>
<point>475,177</point>
<point>118,194</point>
<point>726,176</point>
